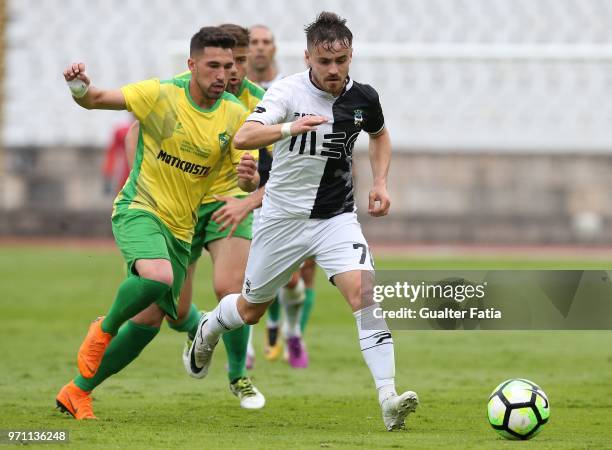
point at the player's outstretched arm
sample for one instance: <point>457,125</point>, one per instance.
<point>380,159</point>
<point>235,210</point>
<point>254,135</point>
<point>89,96</point>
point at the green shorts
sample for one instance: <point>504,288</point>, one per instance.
<point>207,230</point>
<point>142,235</point>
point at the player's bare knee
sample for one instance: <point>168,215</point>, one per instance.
<point>181,316</point>
<point>151,316</point>
<point>158,271</point>
<point>251,316</point>
<point>251,312</point>
<point>227,288</point>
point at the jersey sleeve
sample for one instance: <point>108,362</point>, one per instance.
<point>141,97</point>
<point>272,108</point>
<point>374,120</point>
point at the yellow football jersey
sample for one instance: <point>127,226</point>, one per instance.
<point>227,182</point>
<point>180,151</point>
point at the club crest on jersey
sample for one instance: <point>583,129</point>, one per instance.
<point>223,140</point>
<point>358,117</point>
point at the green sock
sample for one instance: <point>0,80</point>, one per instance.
<point>190,324</point>
<point>133,296</point>
<point>236,342</point>
<point>122,350</point>
<point>274,310</point>
<point>306,308</point>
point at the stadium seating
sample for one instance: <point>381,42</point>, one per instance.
<point>492,75</point>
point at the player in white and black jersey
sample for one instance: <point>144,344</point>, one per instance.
<point>314,118</point>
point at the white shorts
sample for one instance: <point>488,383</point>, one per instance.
<point>280,246</point>
<point>256,216</point>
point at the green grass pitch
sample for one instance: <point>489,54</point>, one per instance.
<point>49,295</point>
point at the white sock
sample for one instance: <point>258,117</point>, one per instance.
<point>292,301</point>
<point>250,348</point>
<point>376,346</point>
<point>225,317</point>
<point>271,323</point>
<point>386,391</point>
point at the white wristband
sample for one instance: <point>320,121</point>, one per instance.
<point>286,130</point>
<point>78,88</point>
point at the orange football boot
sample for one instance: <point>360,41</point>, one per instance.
<point>92,349</point>
<point>75,401</point>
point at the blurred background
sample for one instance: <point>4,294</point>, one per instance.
<point>499,110</point>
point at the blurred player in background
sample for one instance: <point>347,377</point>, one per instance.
<point>262,68</point>
<point>314,118</point>
<point>116,169</point>
<point>154,215</point>
<point>297,297</point>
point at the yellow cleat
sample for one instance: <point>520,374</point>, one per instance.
<point>273,347</point>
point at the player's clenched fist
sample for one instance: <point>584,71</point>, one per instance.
<point>379,201</point>
<point>76,71</point>
<point>247,170</point>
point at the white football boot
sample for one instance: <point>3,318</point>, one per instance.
<point>200,353</point>
<point>396,408</point>
<point>247,393</point>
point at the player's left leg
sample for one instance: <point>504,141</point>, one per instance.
<point>229,258</point>
<point>187,312</point>
<point>188,315</point>
<point>344,255</point>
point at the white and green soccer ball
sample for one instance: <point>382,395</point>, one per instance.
<point>518,409</point>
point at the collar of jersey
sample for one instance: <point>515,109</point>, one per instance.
<point>243,86</point>
<point>321,93</point>
<point>198,107</point>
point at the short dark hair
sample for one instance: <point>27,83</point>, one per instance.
<point>327,29</point>
<point>211,37</point>
<point>240,34</point>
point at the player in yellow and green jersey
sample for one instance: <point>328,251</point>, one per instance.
<point>228,246</point>
<point>227,240</point>
<point>186,132</point>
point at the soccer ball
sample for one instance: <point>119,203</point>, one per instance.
<point>518,409</point>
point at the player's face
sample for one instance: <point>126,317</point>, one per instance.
<point>261,44</point>
<point>210,70</point>
<point>238,71</point>
<point>330,66</point>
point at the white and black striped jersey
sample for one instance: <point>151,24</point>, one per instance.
<point>311,173</point>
